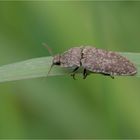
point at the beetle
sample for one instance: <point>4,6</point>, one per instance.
<point>95,60</point>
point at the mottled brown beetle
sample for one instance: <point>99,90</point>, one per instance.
<point>95,60</point>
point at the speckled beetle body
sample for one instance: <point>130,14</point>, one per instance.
<point>95,60</point>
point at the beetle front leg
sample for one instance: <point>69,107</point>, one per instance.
<point>74,72</point>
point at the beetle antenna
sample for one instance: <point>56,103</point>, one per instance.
<point>48,48</point>
<point>51,53</point>
<point>50,70</point>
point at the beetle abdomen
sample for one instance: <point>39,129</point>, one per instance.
<point>106,62</point>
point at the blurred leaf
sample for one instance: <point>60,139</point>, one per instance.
<point>39,67</point>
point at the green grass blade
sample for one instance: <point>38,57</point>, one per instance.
<point>39,67</point>
<point>32,68</point>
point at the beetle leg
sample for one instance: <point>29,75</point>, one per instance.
<point>73,76</point>
<point>73,73</point>
<point>112,76</point>
<point>85,74</point>
<point>108,75</point>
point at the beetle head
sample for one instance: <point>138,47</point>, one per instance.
<point>56,59</point>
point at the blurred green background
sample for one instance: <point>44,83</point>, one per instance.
<point>60,107</point>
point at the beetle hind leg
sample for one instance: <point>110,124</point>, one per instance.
<point>105,74</point>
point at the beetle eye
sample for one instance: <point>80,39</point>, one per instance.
<point>56,60</point>
<point>57,63</point>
